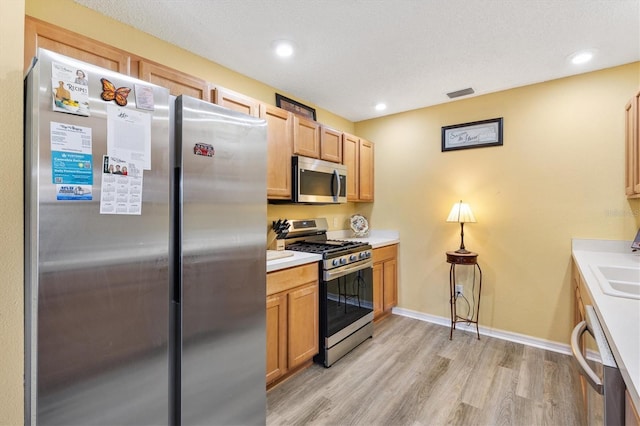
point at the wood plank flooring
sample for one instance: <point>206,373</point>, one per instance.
<point>411,374</point>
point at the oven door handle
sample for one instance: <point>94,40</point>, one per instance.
<point>586,371</point>
<point>341,272</point>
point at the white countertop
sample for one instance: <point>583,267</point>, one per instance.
<point>297,258</point>
<point>620,317</point>
<point>376,239</point>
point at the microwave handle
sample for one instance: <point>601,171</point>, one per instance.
<point>586,371</point>
<point>337,193</point>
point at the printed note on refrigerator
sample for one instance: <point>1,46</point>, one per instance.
<point>129,136</point>
<point>121,191</point>
<point>70,89</point>
<point>71,161</point>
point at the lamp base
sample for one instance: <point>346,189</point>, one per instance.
<point>462,251</point>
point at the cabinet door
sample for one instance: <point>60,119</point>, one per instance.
<point>236,101</point>
<point>635,137</point>
<point>177,82</point>
<point>276,336</point>
<point>279,150</point>
<point>629,148</point>
<point>631,416</point>
<point>390,285</point>
<point>302,323</point>
<point>330,145</point>
<point>378,292</point>
<point>38,33</point>
<point>306,137</point>
<point>350,159</point>
<point>366,170</point>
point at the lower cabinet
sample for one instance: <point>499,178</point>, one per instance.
<point>385,280</point>
<point>292,319</point>
<point>631,416</point>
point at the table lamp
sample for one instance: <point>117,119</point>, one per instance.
<point>461,213</point>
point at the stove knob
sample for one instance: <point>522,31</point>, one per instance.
<point>352,257</point>
<point>343,261</point>
<point>363,255</point>
<point>368,254</point>
<point>335,262</point>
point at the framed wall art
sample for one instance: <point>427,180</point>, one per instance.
<point>295,107</point>
<point>476,134</point>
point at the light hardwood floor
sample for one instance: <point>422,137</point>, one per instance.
<point>411,374</point>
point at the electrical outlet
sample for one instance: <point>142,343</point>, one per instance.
<point>459,291</point>
<point>335,222</point>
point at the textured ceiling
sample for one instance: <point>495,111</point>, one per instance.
<point>352,54</point>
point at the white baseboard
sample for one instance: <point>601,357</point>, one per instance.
<point>499,334</point>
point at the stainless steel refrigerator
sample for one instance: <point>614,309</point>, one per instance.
<point>221,166</point>
<point>106,303</point>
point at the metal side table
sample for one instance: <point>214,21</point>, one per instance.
<point>469,259</point>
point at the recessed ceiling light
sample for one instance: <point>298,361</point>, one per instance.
<point>283,48</point>
<point>581,57</point>
<point>381,106</point>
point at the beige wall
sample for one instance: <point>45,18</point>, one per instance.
<point>11,212</point>
<point>559,175</point>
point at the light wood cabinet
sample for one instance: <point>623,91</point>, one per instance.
<point>632,147</point>
<point>357,155</point>
<point>276,336</point>
<point>236,101</point>
<point>279,151</point>
<point>631,417</point>
<point>330,144</point>
<point>292,319</point>
<point>302,324</point>
<point>177,82</point>
<point>365,170</point>
<point>42,34</point>
<point>385,280</point>
<point>306,137</point>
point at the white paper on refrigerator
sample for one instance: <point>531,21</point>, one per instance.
<point>129,135</point>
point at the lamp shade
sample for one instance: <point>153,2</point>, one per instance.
<point>461,213</point>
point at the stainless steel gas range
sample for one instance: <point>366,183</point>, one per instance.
<point>346,287</point>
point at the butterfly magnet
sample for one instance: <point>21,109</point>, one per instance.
<point>110,93</point>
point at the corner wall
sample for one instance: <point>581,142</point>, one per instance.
<point>11,212</point>
<point>559,175</point>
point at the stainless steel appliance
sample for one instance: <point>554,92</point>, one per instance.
<point>318,182</point>
<point>114,333</point>
<point>221,162</point>
<point>346,287</point>
<point>605,395</point>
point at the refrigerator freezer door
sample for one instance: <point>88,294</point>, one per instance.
<point>96,285</point>
<point>222,157</point>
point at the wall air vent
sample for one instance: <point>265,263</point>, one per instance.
<point>458,93</point>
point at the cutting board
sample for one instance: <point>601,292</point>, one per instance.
<point>278,254</point>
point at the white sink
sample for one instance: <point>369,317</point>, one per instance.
<point>620,281</point>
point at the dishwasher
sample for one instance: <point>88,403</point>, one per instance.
<point>604,397</point>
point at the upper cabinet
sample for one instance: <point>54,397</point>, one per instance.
<point>236,101</point>
<point>357,155</point>
<point>632,147</point>
<point>330,144</point>
<point>279,150</point>
<point>287,134</point>
<point>177,82</point>
<point>42,34</point>
<point>306,137</point>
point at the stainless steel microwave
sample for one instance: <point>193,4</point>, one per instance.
<point>317,181</point>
